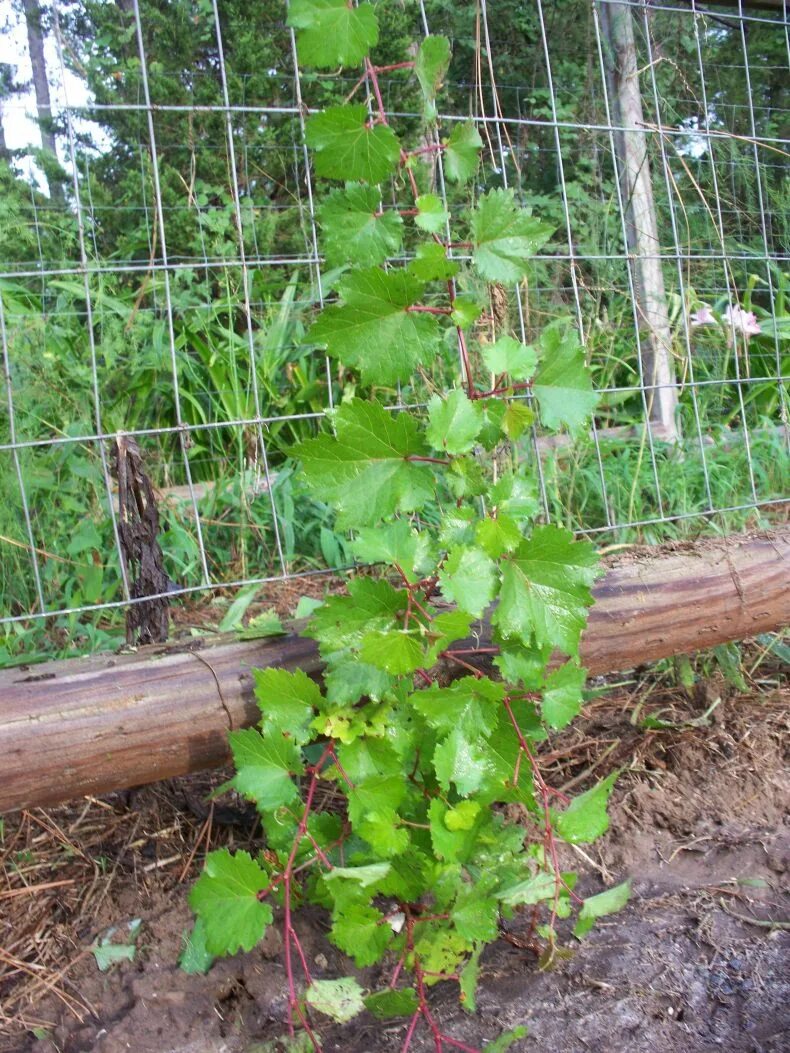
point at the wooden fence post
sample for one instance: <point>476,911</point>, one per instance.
<point>644,245</point>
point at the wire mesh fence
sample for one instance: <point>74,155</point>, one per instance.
<point>159,271</point>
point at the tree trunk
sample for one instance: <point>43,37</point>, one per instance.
<point>35,44</point>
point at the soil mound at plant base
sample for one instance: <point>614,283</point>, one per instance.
<point>698,960</point>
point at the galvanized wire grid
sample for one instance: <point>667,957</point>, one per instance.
<point>687,139</point>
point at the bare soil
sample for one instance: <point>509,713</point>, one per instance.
<point>697,962</point>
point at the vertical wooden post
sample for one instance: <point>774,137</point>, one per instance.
<point>641,222</point>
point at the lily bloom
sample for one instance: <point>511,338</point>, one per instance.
<point>742,321</point>
<point>702,316</point>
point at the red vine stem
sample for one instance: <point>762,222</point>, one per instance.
<point>426,460</point>
<point>549,841</point>
<point>431,148</point>
<point>292,943</point>
<point>285,878</point>
<point>394,66</point>
<point>521,386</point>
<point>440,1039</point>
<point>371,73</point>
<point>411,588</point>
<point>339,767</point>
<point>452,656</point>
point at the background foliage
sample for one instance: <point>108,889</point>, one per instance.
<point>46,321</point>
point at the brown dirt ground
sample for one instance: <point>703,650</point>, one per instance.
<point>697,961</point>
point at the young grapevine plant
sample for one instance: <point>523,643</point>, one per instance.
<point>395,795</point>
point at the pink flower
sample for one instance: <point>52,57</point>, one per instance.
<point>703,316</point>
<point>742,321</point>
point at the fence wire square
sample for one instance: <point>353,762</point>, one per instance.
<point>159,271</point>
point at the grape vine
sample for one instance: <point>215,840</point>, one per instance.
<point>394,794</point>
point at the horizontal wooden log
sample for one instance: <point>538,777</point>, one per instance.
<point>91,725</point>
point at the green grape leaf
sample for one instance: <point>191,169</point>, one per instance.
<point>461,760</point>
<point>373,331</point>
<point>360,931</point>
<point>467,704</point>
<point>439,950</point>
<point>608,902</point>
<point>517,495</point>
<point>349,723</point>
<point>431,215</point>
<point>462,152</point>
<point>462,816</point>
<point>195,958</point>
<point>466,477</point>
<point>497,536</point>
<point>456,525</point>
<point>505,236</point>
<point>453,422</point>
<point>501,752</point>
<point>585,818</point>
<point>535,889</point>
<point>468,578</point>
<point>356,877</point>
<point>521,665</point>
<point>563,385</point>
<point>386,1004</point>
<point>476,915</point>
<point>355,230</point>
<point>397,652</point>
<point>324,827</point>
<point>505,1041</point>
<point>431,64</point>
<point>365,472</point>
<point>287,702</point>
<point>445,629</point>
<point>545,589</point>
<point>342,621</point>
<point>267,623</point>
<point>331,33</point>
<point>381,831</point>
<point>410,876</point>
<point>375,794</point>
<point>562,695</point>
<point>225,899</point>
<point>466,310</point>
<point>306,606</point>
<point>264,767</point>
<point>339,999</point>
<point>369,757</point>
<point>347,679</point>
<point>431,264</point>
<point>512,357</point>
<point>517,418</point>
<point>467,980</point>
<point>493,413</point>
<point>448,843</point>
<point>395,543</point>
<point>348,147</point>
